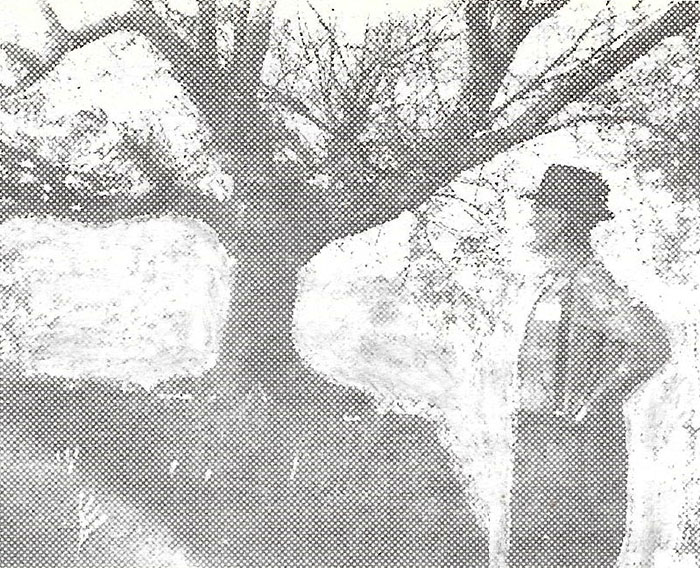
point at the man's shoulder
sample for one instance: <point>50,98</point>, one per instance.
<point>609,307</point>
<point>598,287</point>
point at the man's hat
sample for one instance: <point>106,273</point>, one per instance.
<point>574,190</point>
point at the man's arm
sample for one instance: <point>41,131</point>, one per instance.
<point>645,349</point>
<point>636,345</point>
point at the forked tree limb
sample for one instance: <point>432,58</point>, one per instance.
<point>432,164</point>
<point>574,86</point>
<point>447,158</point>
<point>55,27</point>
<point>496,29</point>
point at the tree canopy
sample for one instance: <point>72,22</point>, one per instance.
<point>295,125</point>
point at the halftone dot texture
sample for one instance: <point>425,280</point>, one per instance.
<point>588,346</point>
<point>260,462</point>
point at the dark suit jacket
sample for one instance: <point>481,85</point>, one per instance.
<point>588,342</point>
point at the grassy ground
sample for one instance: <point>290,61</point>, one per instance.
<point>319,480</point>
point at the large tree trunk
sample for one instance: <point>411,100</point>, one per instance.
<point>259,328</point>
<point>267,248</point>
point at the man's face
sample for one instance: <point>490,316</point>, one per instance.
<point>552,228</point>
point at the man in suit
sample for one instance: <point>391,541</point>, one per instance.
<point>588,344</point>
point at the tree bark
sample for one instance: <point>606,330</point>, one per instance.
<point>438,161</point>
<point>291,223</point>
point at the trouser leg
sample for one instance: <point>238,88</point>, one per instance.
<point>568,498</point>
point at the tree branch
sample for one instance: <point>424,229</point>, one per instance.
<point>540,78</point>
<point>141,19</point>
<point>294,105</point>
<point>434,163</point>
<point>497,28</point>
<point>56,28</point>
<point>576,85</point>
<point>32,64</point>
<point>207,49</point>
<point>32,185</point>
<point>239,22</point>
<point>257,38</point>
<point>132,20</point>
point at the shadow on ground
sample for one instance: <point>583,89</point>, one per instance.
<point>319,479</point>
